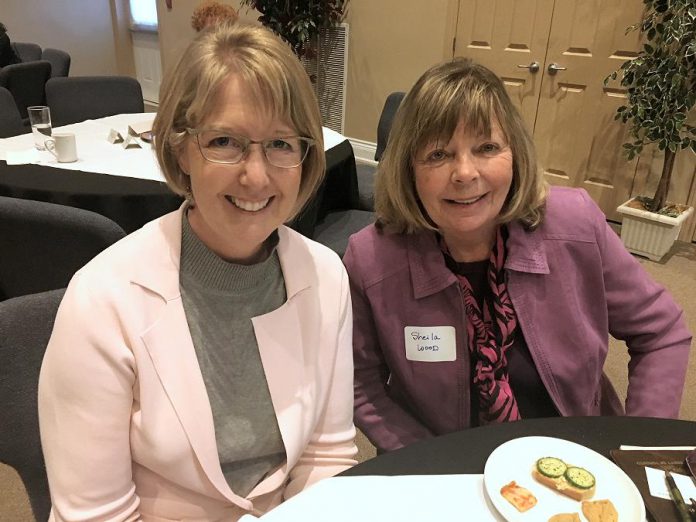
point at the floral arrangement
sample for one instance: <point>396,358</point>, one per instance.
<point>211,12</point>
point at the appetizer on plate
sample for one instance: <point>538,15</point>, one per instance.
<point>565,517</point>
<point>600,511</point>
<point>572,481</point>
<point>520,497</point>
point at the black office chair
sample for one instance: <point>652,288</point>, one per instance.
<point>391,105</point>
<point>10,120</point>
<point>27,51</point>
<point>59,60</point>
<point>25,328</point>
<point>79,98</point>
<point>26,82</point>
<point>42,245</point>
<point>366,173</point>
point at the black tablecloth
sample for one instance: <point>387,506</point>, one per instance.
<point>132,202</point>
<point>467,451</point>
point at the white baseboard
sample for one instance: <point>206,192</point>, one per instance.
<point>364,151</point>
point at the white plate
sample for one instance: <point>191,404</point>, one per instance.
<point>515,460</point>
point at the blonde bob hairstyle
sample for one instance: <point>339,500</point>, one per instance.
<point>267,66</point>
<point>458,90</point>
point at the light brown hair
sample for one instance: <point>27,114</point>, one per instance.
<point>454,91</point>
<point>272,72</point>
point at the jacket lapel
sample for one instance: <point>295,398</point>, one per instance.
<point>171,349</point>
<point>169,343</point>
<point>280,339</point>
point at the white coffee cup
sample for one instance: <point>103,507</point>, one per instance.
<point>62,146</point>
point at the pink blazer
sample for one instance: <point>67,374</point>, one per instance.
<point>126,425</point>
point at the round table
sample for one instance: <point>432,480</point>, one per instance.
<point>466,451</point>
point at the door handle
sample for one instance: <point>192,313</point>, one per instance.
<point>554,68</point>
<point>533,67</point>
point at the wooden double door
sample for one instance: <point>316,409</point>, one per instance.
<point>553,56</point>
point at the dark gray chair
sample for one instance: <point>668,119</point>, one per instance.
<point>366,186</point>
<point>27,51</point>
<point>59,60</point>
<point>337,227</point>
<point>25,328</point>
<point>366,173</point>
<point>79,98</point>
<point>391,105</point>
<point>26,82</point>
<point>10,120</point>
<point>42,245</point>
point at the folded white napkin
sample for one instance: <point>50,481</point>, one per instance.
<point>21,157</point>
<point>657,479</point>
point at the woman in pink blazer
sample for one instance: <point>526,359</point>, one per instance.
<point>201,368</point>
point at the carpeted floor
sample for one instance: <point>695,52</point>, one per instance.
<point>677,272</point>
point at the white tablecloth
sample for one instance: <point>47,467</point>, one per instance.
<point>408,498</point>
<point>96,154</point>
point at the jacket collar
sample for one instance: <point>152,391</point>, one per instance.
<point>429,274</point>
<point>526,252</point>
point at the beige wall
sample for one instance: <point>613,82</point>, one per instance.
<point>175,31</point>
<point>83,28</point>
<point>123,42</point>
<point>385,54</point>
<point>391,43</point>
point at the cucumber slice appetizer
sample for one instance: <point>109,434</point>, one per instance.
<point>551,467</point>
<point>580,477</point>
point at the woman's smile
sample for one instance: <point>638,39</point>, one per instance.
<point>251,206</point>
<point>467,202</point>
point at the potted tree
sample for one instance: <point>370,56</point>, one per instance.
<point>661,93</point>
<point>299,22</point>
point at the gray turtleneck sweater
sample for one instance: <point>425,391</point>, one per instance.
<point>219,299</point>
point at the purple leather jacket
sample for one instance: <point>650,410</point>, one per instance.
<point>572,284</point>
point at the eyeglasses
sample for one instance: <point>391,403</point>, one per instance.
<point>218,146</point>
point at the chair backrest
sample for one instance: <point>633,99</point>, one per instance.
<point>25,328</point>
<point>391,105</point>
<point>42,245</point>
<point>27,51</point>
<point>78,98</point>
<point>59,60</point>
<point>26,82</point>
<point>10,120</point>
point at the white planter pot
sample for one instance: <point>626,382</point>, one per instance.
<point>649,234</point>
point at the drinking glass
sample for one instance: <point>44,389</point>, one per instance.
<point>40,119</point>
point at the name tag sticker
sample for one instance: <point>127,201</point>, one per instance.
<point>430,343</point>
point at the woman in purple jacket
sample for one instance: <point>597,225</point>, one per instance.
<point>483,296</point>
